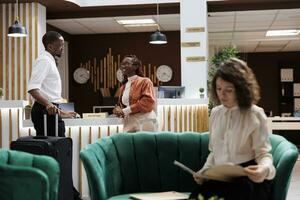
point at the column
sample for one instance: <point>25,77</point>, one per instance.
<point>194,46</point>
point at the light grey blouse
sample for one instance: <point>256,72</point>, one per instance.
<point>239,136</point>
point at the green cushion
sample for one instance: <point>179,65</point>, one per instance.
<point>143,162</point>
<point>28,177</point>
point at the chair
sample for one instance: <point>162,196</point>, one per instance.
<point>285,155</point>
<point>25,176</point>
<point>122,164</point>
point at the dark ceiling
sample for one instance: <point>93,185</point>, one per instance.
<point>60,9</point>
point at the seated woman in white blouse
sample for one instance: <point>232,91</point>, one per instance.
<point>239,135</point>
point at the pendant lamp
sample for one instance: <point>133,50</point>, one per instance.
<point>157,37</point>
<point>17,30</point>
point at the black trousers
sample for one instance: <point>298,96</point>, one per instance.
<point>37,117</point>
<point>240,189</point>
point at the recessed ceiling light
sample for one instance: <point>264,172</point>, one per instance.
<point>282,33</point>
<point>135,21</point>
<point>138,25</point>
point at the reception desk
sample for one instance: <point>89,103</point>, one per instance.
<point>283,123</point>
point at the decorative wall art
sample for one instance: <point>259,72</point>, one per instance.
<point>104,73</point>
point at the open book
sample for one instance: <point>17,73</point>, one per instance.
<point>172,195</point>
<point>225,172</point>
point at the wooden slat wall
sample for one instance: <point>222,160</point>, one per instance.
<point>1,46</point>
<point>181,118</point>
<point>5,53</point>
<point>23,69</point>
<point>17,54</point>
<point>103,73</point>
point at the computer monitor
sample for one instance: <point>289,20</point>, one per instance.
<point>171,91</point>
<point>67,106</point>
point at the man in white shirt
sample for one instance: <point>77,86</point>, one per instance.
<point>45,87</point>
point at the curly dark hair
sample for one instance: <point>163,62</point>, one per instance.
<point>238,73</point>
<point>136,62</point>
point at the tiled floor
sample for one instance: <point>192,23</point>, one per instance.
<point>294,190</point>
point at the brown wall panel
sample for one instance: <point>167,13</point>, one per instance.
<point>86,47</point>
<point>266,68</point>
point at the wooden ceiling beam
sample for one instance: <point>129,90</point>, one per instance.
<point>111,11</point>
<point>243,5</point>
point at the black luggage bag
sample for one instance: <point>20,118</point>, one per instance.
<point>59,148</point>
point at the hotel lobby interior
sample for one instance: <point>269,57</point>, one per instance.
<point>98,34</point>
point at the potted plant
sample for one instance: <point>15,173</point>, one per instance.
<point>201,90</point>
<point>1,93</point>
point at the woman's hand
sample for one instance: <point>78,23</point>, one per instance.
<point>118,111</point>
<point>198,178</point>
<point>257,173</point>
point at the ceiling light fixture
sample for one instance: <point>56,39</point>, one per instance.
<point>135,21</point>
<point>158,37</point>
<point>17,30</point>
<point>282,33</point>
<point>139,25</point>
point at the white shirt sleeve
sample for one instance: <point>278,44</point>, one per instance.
<point>262,146</point>
<point>126,110</point>
<point>38,74</point>
<point>210,159</point>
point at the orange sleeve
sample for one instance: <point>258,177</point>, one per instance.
<point>147,101</point>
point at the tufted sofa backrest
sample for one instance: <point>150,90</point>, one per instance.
<point>143,162</point>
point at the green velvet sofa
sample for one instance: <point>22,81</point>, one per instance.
<point>122,164</point>
<point>25,176</point>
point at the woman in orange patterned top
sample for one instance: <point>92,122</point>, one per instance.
<point>137,99</point>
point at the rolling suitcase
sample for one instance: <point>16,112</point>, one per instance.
<point>59,148</point>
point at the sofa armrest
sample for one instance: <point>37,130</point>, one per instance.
<point>95,175</point>
<point>51,168</point>
<point>26,183</point>
<point>285,155</point>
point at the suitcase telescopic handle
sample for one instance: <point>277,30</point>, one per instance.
<point>45,123</point>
